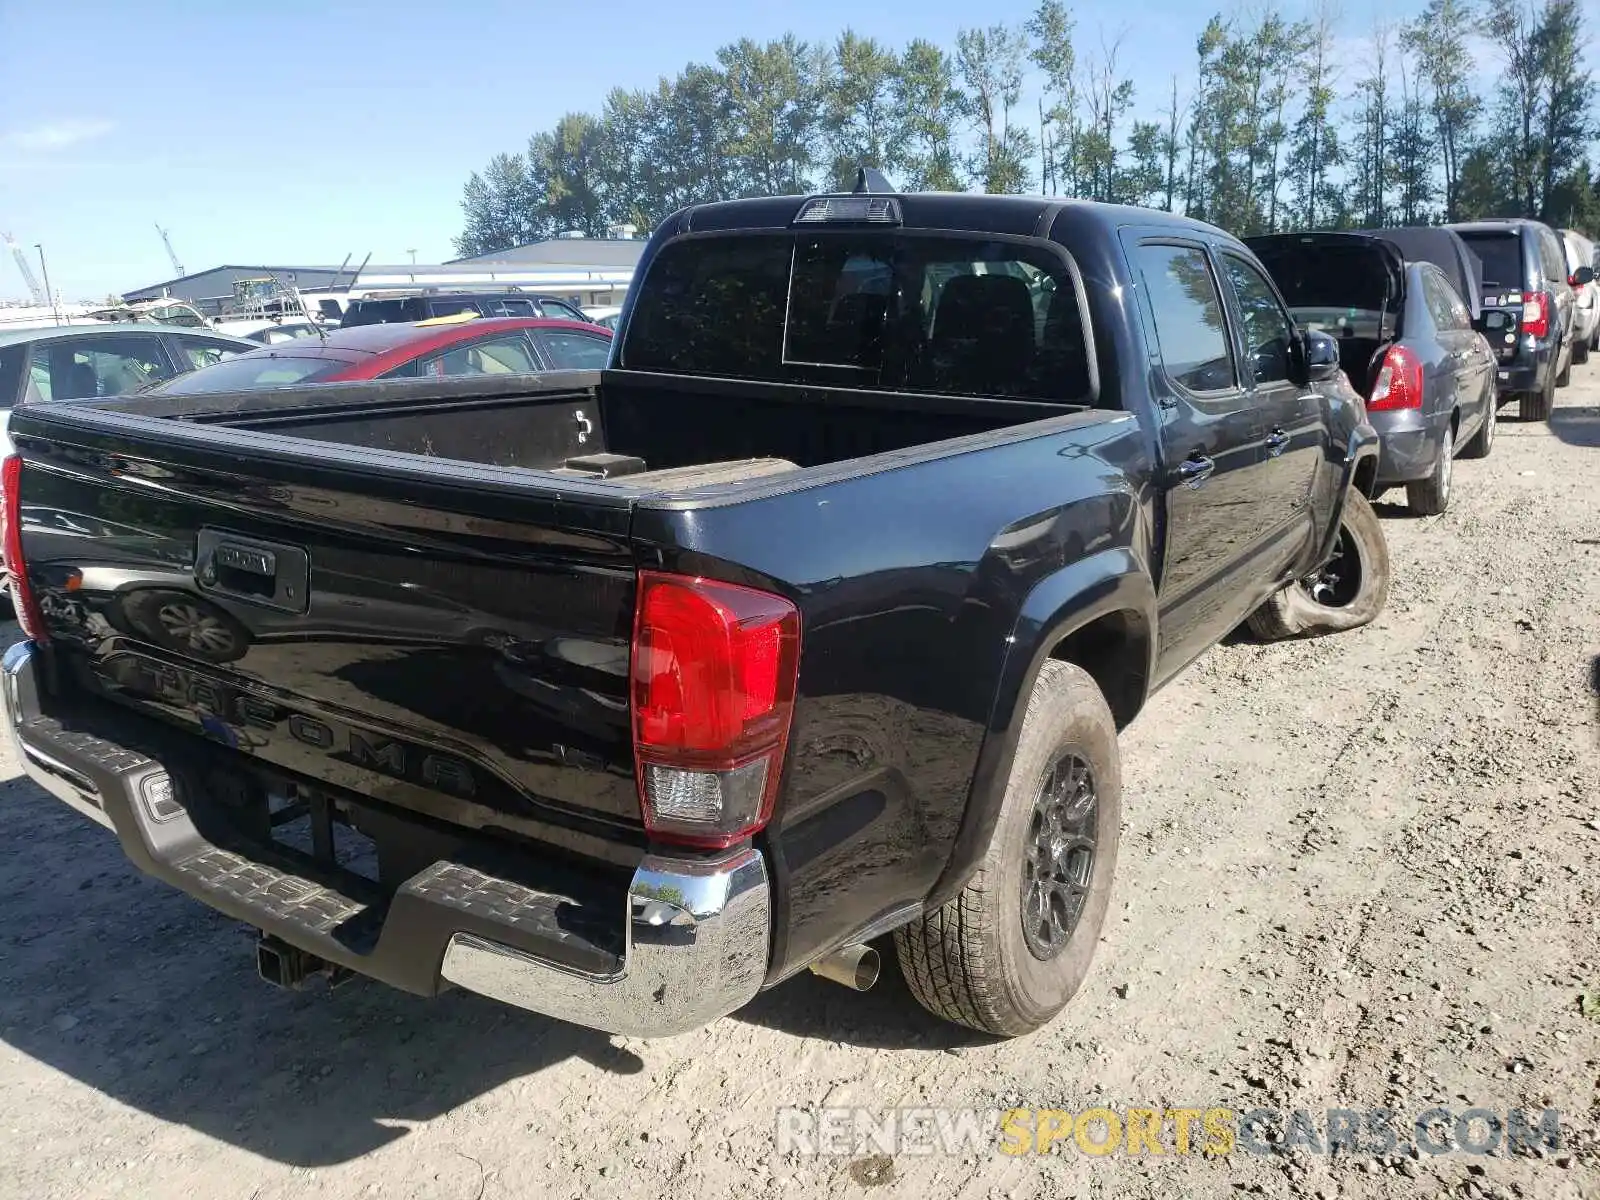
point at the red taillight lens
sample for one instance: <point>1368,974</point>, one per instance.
<point>1536,313</point>
<point>1399,382</point>
<point>713,684</point>
<point>22,598</point>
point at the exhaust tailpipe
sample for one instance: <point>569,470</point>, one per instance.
<point>854,966</point>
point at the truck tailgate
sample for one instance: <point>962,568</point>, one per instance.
<point>451,639</point>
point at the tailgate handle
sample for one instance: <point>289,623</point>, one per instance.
<point>270,574</point>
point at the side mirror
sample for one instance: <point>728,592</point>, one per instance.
<point>1322,357</point>
<point>1582,276</point>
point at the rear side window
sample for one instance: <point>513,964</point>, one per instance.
<point>13,362</point>
<point>101,365</point>
<point>1501,254</point>
<point>449,308</point>
<point>248,372</point>
<point>878,309</point>
<point>508,355</point>
<point>1554,260</point>
<point>1187,312</point>
<point>570,350</point>
<point>560,311</point>
<point>1439,297</point>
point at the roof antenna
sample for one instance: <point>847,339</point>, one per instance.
<point>871,181</point>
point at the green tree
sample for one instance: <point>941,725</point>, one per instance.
<point>1146,171</point>
<point>1315,152</point>
<point>1511,27</point>
<point>1437,39</point>
<point>773,95</point>
<point>1370,194</point>
<point>863,125</point>
<point>925,91</point>
<point>1566,99</point>
<point>500,208</point>
<point>1171,148</point>
<point>1413,151</point>
<point>989,62</point>
<point>1052,51</point>
<point>1110,98</point>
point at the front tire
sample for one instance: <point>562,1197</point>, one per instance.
<point>1431,496</point>
<point>1580,351</point>
<point>1007,953</point>
<point>1347,592</point>
<point>1563,379</point>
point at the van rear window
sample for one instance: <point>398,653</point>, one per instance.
<point>1502,258</point>
<point>873,309</point>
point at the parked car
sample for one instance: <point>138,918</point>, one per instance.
<point>81,362</point>
<point>477,346</point>
<point>382,309</point>
<point>604,315</point>
<point>1525,270</point>
<point>277,333</point>
<point>893,512</point>
<point>1407,344</point>
<point>1581,252</point>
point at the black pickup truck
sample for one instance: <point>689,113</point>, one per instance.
<point>622,695</point>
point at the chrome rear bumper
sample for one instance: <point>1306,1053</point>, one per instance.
<point>695,933</point>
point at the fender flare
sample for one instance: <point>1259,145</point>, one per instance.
<point>1362,446</point>
<point>1111,581</point>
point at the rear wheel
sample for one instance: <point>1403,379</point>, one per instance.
<point>1346,592</point>
<point>1007,953</point>
<point>1483,441</point>
<point>1536,406</point>
<point>1431,496</point>
<point>1580,351</point>
<point>1566,373</point>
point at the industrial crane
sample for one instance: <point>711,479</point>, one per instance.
<point>27,272</point>
<point>177,267</point>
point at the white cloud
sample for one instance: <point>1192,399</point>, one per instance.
<point>56,135</point>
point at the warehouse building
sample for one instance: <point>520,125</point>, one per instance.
<point>578,269</point>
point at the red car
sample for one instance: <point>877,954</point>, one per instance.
<point>443,347</point>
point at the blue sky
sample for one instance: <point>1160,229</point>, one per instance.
<point>298,132</point>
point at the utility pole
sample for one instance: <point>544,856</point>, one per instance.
<point>54,311</point>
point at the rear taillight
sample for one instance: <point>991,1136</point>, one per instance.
<point>1399,383</point>
<point>22,598</point>
<point>713,684</point>
<point>1536,308</point>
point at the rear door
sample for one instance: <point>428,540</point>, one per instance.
<point>1211,441</point>
<point>1294,429</point>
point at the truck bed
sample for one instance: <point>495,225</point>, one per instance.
<point>417,598</point>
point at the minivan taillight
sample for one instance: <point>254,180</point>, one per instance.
<point>1536,308</point>
<point>1399,382</point>
<point>22,598</point>
<point>712,695</point>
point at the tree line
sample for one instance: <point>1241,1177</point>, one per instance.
<point>1275,130</point>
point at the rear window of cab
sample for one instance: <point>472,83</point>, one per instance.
<point>865,308</point>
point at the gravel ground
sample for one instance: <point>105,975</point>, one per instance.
<point>1357,872</point>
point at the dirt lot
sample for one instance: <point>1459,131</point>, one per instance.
<point>1356,872</point>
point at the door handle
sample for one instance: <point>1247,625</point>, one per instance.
<point>1276,441</point>
<point>1196,469</point>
